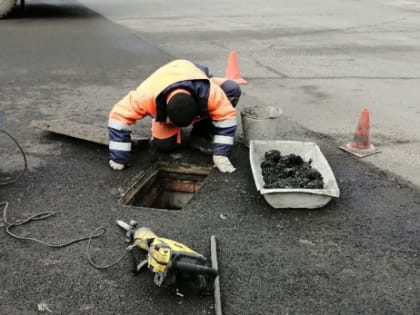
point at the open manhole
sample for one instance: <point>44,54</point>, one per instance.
<point>166,186</point>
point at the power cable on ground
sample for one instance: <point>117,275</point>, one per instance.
<point>40,216</point>
<point>11,181</point>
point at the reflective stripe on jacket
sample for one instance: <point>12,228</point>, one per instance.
<point>149,99</point>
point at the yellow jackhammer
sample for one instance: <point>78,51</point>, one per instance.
<point>173,263</point>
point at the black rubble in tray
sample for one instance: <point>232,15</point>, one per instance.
<point>289,171</point>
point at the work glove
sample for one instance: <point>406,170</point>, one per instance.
<point>116,166</point>
<point>223,164</point>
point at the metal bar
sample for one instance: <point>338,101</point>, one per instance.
<point>217,297</point>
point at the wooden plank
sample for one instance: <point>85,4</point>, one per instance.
<point>80,131</point>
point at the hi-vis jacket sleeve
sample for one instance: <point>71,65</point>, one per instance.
<point>224,116</point>
<point>125,113</point>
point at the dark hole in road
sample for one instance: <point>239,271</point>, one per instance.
<point>166,186</point>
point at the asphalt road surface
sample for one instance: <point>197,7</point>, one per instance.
<point>358,254</point>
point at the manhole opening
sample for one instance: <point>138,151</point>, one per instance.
<point>166,186</point>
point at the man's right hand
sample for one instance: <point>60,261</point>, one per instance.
<point>116,166</point>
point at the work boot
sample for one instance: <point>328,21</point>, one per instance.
<point>201,143</point>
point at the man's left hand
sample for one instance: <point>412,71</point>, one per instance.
<point>116,166</point>
<point>223,164</point>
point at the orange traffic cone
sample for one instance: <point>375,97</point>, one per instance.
<point>232,69</point>
<point>360,146</point>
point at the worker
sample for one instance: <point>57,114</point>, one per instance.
<point>177,95</point>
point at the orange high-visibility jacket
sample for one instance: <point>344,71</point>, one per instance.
<point>149,99</point>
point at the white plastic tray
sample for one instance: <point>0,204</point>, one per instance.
<point>294,198</point>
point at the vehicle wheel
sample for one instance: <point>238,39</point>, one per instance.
<point>6,6</point>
